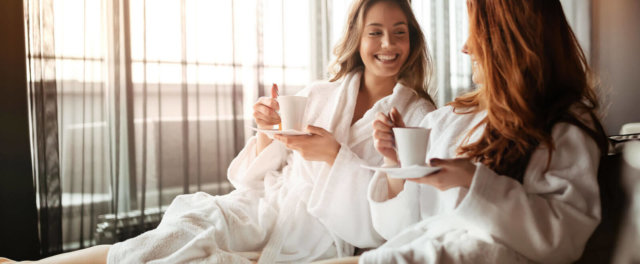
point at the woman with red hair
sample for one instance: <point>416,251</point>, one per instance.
<point>518,156</point>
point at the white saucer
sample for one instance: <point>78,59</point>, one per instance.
<point>271,132</point>
<point>411,172</point>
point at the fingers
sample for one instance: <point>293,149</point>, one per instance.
<point>436,180</point>
<point>396,117</point>
<point>266,115</point>
<point>264,112</point>
<point>292,142</point>
<point>384,119</point>
<point>316,130</point>
<point>435,162</point>
<point>380,144</point>
<point>457,172</point>
<point>381,126</point>
<point>265,120</point>
<point>456,162</point>
<point>440,179</point>
<point>382,135</point>
<point>268,102</point>
<point>383,139</point>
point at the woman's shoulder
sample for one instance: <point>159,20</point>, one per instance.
<point>407,101</point>
<point>449,116</point>
<point>580,122</point>
<point>442,113</point>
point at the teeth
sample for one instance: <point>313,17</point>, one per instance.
<point>386,57</point>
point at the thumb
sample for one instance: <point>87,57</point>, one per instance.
<point>396,117</point>
<point>316,130</point>
<point>274,91</point>
<point>438,162</point>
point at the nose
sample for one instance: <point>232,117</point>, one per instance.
<point>387,40</point>
<point>465,48</point>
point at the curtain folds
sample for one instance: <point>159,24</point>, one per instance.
<point>134,102</point>
<point>44,127</point>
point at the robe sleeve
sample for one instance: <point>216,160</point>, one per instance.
<point>391,216</point>
<point>339,201</point>
<point>247,170</point>
<point>550,217</point>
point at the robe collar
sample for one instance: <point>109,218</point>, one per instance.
<point>344,108</point>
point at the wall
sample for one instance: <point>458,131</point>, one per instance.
<point>18,226</point>
<point>615,57</point>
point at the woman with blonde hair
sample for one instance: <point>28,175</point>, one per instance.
<point>300,198</point>
<point>518,156</point>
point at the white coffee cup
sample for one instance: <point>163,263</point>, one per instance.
<point>411,145</point>
<point>292,111</point>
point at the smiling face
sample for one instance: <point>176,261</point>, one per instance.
<point>385,43</point>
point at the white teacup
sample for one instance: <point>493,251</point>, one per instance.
<point>292,111</point>
<point>411,145</point>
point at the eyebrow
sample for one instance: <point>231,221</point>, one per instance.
<point>379,25</point>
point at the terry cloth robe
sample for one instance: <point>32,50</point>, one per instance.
<point>546,219</point>
<point>283,208</point>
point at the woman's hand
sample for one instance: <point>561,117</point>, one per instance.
<point>264,112</point>
<point>384,142</point>
<point>453,173</point>
<point>319,146</point>
<point>383,138</point>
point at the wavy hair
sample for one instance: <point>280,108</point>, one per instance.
<point>535,75</point>
<point>416,71</point>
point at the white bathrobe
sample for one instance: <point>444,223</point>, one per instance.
<point>284,208</point>
<point>546,219</point>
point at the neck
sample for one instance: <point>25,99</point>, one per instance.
<point>377,86</point>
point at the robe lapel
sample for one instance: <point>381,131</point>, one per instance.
<point>362,129</point>
<point>344,107</point>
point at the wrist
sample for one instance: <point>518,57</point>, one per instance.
<point>262,141</point>
<point>331,158</point>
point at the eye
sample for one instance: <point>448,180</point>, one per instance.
<point>400,32</point>
<point>375,33</point>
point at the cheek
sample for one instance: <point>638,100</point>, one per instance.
<point>365,47</point>
<point>478,75</point>
<point>405,47</point>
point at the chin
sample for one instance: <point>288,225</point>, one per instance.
<point>387,72</point>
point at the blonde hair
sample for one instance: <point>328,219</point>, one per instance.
<point>417,69</point>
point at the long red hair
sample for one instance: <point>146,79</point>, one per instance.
<point>535,75</point>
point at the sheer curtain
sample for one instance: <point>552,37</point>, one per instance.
<point>134,102</point>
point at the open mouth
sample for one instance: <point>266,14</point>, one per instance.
<point>387,58</point>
